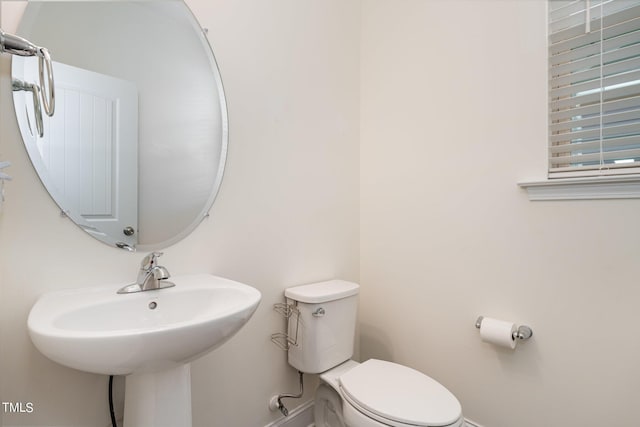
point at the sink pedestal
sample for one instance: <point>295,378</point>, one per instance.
<point>158,399</point>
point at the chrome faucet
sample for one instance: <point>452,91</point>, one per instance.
<point>151,276</point>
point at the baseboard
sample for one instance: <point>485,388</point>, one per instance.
<point>470,423</point>
<point>301,416</point>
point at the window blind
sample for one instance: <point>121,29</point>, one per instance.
<point>594,87</point>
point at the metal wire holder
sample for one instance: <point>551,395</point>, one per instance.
<point>284,340</point>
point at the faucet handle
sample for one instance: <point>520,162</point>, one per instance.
<point>150,260</point>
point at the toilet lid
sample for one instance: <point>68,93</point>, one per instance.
<point>400,394</point>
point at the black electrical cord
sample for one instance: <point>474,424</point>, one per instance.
<point>113,414</point>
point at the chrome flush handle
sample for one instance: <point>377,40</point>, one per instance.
<point>319,312</point>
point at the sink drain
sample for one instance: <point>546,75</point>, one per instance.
<point>153,305</point>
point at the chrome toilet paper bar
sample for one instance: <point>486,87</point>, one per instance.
<point>523,332</point>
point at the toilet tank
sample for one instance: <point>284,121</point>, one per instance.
<point>326,324</point>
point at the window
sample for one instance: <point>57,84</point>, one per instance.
<point>594,87</point>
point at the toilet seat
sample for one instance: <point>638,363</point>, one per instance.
<point>399,396</point>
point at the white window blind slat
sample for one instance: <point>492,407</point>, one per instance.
<point>615,149</point>
<point>590,121</point>
<point>589,60</point>
<point>586,161</point>
<point>586,171</point>
<point>576,13</point>
<point>633,89</point>
<point>580,47</point>
<point>595,73</point>
<point>561,4</point>
<point>580,88</point>
<point>586,39</point>
<point>610,131</point>
<point>624,11</point>
<point>610,107</point>
<point>558,10</point>
<point>569,22</point>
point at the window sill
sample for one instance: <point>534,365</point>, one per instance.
<point>591,188</point>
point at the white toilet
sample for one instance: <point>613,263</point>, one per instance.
<point>374,393</point>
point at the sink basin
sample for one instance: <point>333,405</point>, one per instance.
<point>94,329</point>
<point>149,336</point>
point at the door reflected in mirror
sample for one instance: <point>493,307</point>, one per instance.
<point>135,151</point>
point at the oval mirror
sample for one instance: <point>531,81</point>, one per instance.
<point>135,151</point>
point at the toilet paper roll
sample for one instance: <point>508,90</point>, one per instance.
<point>498,332</point>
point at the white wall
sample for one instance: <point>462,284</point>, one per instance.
<point>453,114</point>
<point>287,213</point>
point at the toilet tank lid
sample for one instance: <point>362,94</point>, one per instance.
<point>315,293</point>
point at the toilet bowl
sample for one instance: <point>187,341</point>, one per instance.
<point>377,393</point>
<point>327,409</point>
<point>374,393</point>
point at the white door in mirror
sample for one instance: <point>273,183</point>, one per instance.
<point>88,154</point>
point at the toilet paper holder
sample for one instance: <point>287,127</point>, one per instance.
<point>523,332</point>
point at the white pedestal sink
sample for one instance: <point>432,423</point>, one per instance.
<point>149,336</point>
